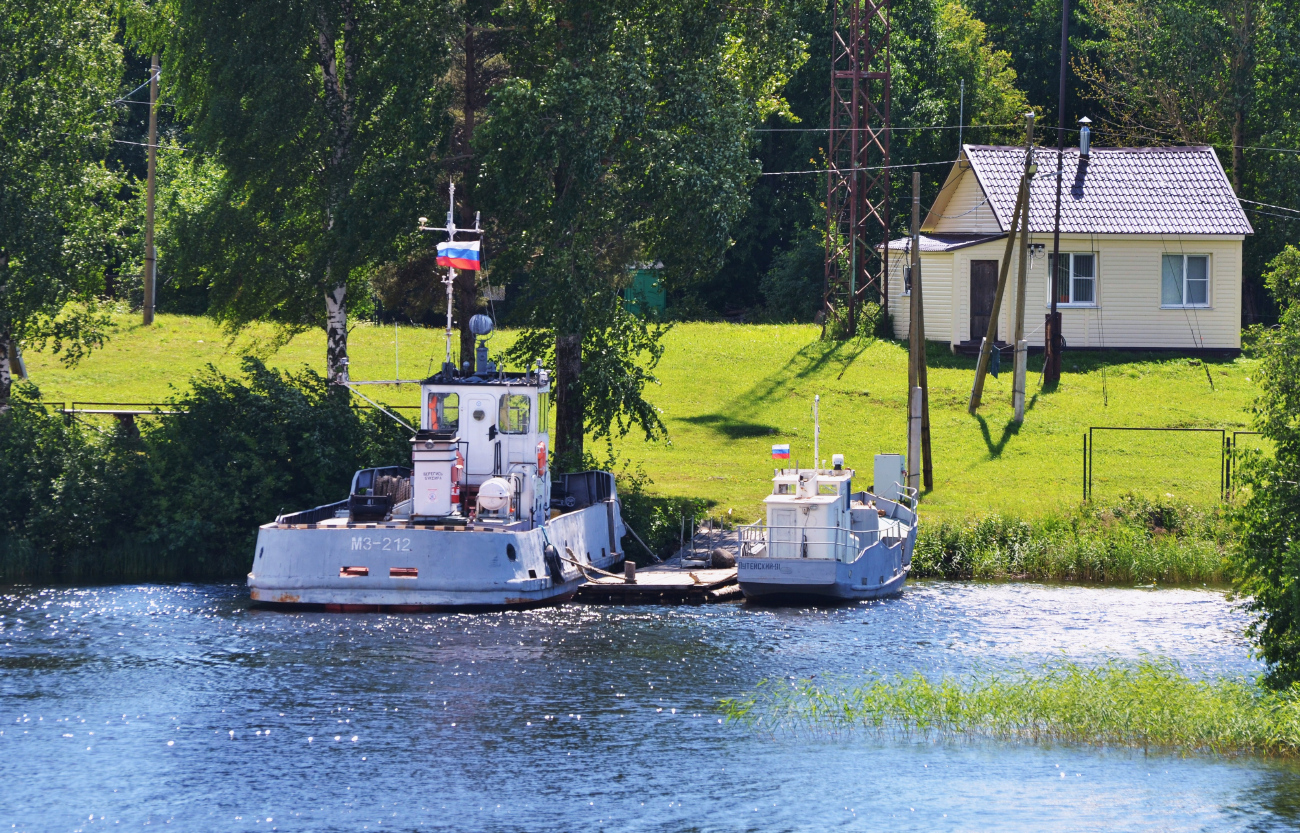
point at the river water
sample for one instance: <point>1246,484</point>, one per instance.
<point>180,707</point>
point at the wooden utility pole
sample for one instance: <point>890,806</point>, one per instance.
<point>151,256</point>
<point>1052,343</point>
<point>991,335</point>
<point>1022,347</point>
<point>916,336</point>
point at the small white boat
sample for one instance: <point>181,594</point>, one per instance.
<point>474,523</point>
<point>823,541</point>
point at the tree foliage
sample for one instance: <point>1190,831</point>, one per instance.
<point>622,136</point>
<point>1268,557</point>
<point>59,212</point>
<point>1224,74</point>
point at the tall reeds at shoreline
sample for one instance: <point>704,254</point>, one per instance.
<point>1135,541</point>
<point>1149,705</point>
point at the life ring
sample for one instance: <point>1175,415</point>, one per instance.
<point>541,457</point>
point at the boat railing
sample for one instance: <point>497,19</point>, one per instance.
<point>758,540</point>
<point>314,515</point>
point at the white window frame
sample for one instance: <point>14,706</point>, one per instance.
<point>1183,287</point>
<point>1096,281</point>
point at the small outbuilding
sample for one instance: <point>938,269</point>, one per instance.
<point>1150,250</point>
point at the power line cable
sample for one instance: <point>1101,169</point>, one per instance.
<point>1269,205</point>
<point>851,170</point>
<point>873,129</point>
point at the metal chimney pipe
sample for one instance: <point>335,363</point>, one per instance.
<point>1085,137</point>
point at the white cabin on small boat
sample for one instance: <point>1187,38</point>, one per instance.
<point>821,539</point>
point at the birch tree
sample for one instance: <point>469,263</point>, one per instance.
<point>330,119</point>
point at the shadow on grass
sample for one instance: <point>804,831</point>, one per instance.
<point>1011,429</point>
<point>809,359</point>
<point>732,428</point>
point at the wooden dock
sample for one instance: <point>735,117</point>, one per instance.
<point>664,584</point>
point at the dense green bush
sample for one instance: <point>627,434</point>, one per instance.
<point>1135,541</point>
<point>1268,557</point>
<point>182,499</point>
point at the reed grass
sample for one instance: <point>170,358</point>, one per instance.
<point>1134,541</point>
<point>1150,705</point>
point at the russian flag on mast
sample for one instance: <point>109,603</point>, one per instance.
<point>459,254</point>
<point>781,452</point>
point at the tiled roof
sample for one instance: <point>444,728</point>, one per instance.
<point>1169,190</point>
<point>942,242</point>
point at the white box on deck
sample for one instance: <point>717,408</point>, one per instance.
<point>890,474</point>
<point>431,479</point>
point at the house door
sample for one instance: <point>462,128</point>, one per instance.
<point>983,286</point>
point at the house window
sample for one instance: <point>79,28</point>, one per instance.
<point>1077,283</point>
<point>907,280</point>
<point>514,414</point>
<point>1185,281</point>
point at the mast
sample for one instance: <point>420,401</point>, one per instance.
<point>450,280</point>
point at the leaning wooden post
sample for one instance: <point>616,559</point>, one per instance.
<point>918,343</point>
<point>991,336</point>
<point>914,439</point>
<point>1022,280</point>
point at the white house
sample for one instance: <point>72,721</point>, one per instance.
<point>1150,250</point>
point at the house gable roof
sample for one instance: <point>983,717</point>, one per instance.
<point>1169,190</point>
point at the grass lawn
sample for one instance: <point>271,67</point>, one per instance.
<point>728,392</point>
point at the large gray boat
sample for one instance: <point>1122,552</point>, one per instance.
<point>475,522</point>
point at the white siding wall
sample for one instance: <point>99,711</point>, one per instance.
<point>1128,313</point>
<point>967,210</point>
<point>936,276</point>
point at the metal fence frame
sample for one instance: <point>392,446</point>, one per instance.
<point>1224,453</point>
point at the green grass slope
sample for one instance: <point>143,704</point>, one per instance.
<point>728,392</point>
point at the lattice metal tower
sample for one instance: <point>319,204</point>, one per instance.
<point>857,190</point>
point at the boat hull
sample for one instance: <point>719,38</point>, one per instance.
<point>879,571</point>
<point>335,565</point>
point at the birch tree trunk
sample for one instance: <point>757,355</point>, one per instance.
<point>336,334</point>
<point>6,373</point>
<point>341,111</point>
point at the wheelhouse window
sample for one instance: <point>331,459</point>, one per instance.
<point>543,412</point>
<point>1185,281</point>
<point>1076,283</point>
<point>514,414</point>
<point>443,412</point>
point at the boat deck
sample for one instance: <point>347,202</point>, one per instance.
<point>666,583</point>
<point>402,523</point>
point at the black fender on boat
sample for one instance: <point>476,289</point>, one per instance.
<point>554,567</point>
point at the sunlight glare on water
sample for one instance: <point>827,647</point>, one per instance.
<point>181,706</point>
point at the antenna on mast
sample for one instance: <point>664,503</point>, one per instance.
<point>466,256</point>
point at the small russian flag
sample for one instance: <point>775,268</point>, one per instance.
<point>459,254</point>
<point>781,452</point>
